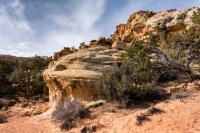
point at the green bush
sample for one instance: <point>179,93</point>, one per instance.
<point>133,79</point>
<point>196,17</point>
<point>183,48</point>
<point>153,40</point>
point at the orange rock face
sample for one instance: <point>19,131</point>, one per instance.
<point>135,27</point>
<point>141,23</point>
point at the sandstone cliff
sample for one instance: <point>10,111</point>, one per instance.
<point>73,73</point>
<point>142,22</point>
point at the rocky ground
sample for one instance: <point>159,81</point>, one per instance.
<point>180,114</point>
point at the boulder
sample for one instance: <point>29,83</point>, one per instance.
<point>61,53</point>
<point>83,46</point>
<point>101,40</point>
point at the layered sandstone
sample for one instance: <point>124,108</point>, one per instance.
<point>75,75</point>
<point>141,23</point>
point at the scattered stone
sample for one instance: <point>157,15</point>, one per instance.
<point>84,130</point>
<point>84,112</point>
<point>89,129</point>
<point>83,46</point>
<point>63,52</point>
<point>96,104</point>
<point>24,104</point>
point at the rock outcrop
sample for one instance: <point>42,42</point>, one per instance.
<point>63,52</point>
<point>73,73</point>
<point>143,22</point>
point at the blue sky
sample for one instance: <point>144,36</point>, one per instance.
<point>42,27</point>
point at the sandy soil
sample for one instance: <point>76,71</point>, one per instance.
<point>25,125</point>
<point>17,123</point>
<point>179,116</point>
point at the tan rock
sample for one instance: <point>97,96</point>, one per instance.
<point>83,46</point>
<point>63,52</point>
<point>75,75</point>
<point>141,22</point>
<point>118,45</point>
<point>134,27</point>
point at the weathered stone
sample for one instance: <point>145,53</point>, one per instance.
<point>83,46</point>
<point>101,40</point>
<point>134,28</point>
<point>60,67</point>
<point>82,70</point>
<point>63,52</point>
<point>140,23</point>
<point>118,45</point>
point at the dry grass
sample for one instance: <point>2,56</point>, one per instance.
<point>36,109</point>
<point>41,108</point>
<point>141,118</point>
<point>3,117</point>
<point>153,111</point>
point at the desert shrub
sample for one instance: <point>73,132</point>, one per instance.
<point>3,116</point>
<point>183,48</point>
<point>153,40</point>
<point>178,94</point>
<point>68,124</point>
<point>141,118</point>
<point>41,108</point>
<point>196,17</point>
<point>153,111</point>
<point>133,79</point>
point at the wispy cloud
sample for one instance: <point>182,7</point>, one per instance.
<point>14,29</point>
<point>17,37</point>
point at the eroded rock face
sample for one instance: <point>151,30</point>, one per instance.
<point>75,75</point>
<point>140,23</point>
<point>61,53</point>
<point>135,27</point>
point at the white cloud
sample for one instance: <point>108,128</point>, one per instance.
<point>18,38</point>
<point>74,28</point>
<point>14,29</point>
